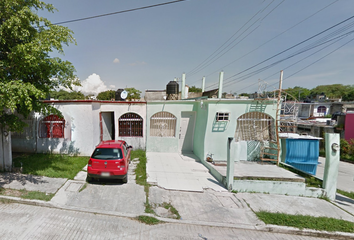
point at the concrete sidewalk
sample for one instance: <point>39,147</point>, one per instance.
<point>203,202</point>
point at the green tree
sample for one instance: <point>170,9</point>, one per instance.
<point>133,93</point>
<point>331,91</point>
<point>195,89</point>
<point>298,93</point>
<point>65,95</point>
<point>350,94</point>
<point>27,72</point>
<point>106,95</point>
<point>244,94</point>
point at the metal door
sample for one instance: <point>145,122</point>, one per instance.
<point>186,132</point>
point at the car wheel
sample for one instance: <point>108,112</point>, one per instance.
<point>125,179</point>
<point>88,179</point>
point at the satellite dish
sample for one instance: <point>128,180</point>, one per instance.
<point>124,94</point>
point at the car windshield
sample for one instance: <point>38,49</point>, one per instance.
<point>107,153</point>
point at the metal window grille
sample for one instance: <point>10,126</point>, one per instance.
<point>255,126</point>
<point>130,125</point>
<point>321,109</point>
<point>52,126</point>
<point>222,116</point>
<point>163,124</point>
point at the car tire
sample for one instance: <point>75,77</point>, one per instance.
<point>125,179</point>
<point>88,179</point>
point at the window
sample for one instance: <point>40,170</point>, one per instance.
<point>321,109</point>
<point>255,126</point>
<point>107,154</point>
<point>130,125</point>
<point>222,116</point>
<point>51,126</point>
<point>163,124</point>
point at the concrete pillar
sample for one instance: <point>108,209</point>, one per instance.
<point>5,151</point>
<point>203,84</point>
<point>183,86</point>
<point>221,80</point>
<point>332,164</point>
<point>230,165</point>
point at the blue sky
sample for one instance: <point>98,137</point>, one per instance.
<point>146,49</point>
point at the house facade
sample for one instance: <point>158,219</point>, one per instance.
<point>84,124</point>
<point>203,125</point>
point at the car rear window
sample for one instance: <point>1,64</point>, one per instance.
<point>107,153</point>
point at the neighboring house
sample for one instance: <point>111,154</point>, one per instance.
<point>317,109</point>
<point>84,124</point>
<point>203,126</point>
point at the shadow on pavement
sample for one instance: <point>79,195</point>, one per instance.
<point>7,178</point>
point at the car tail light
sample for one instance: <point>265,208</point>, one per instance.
<point>90,163</point>
<point>121,164</point>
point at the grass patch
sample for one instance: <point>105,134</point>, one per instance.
<point>27,194</point>
<point>140,176</point>
<point>6,201</point>
<point>51,165</point>
<point>309,222</point>
<point>140,171</point>
<point>309,180</point>
<point>148,220</point>
<point>347,194</point>
<point>173,210</point>
<point>83,187</point>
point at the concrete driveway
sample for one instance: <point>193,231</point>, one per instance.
<point>174,171</point>
<point>106,196</point>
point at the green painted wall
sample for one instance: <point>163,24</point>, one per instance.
<point>209,136</point>
<point>217,133</point>
<point>200,129</point>
<point>165,144</point>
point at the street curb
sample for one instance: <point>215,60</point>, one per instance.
<point>262,228</point>
<point>306,232</point>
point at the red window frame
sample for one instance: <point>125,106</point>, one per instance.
<point>52,126</point>
<point>130,125</point>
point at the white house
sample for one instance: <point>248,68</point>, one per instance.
<point>84,124</point>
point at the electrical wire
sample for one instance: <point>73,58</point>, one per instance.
<point>317,60</point>
<point>289,66</point>
<point>224,50</point>
<point>308,39</point>
<point>290,56</point>
<point>273,38</point>
<point>119,12</point>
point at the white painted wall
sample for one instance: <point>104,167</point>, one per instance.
<point>82,127</point>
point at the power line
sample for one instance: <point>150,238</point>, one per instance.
<point>274,38</point>
<point>119,12</point>
<point>212,57</point>
<point>290,48</point>
<point>337,39</point>
<point>317,60</point>
<point>290,56</point>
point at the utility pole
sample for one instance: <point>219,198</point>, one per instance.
<point>277,121</point>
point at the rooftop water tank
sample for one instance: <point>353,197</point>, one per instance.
<point>172,88</point>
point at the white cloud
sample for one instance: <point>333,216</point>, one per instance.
<point>93,85</point>
<point>116,60</point>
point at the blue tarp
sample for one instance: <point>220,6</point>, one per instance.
<point>302,154</point>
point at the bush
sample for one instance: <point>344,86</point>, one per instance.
<point>347,149</point>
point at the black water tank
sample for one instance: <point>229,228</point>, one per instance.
<point>118,95</point>
<point>172,87</point>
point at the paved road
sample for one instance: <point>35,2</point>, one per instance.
<point>20,221</point>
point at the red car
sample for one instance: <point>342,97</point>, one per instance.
<point>110,160</point>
